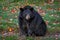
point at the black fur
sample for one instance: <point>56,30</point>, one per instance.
<point>34,26</point>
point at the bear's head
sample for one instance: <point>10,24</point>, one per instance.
<point>27,12</point>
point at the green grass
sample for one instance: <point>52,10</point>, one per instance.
<point>11,38</point>
<point>7,15</point>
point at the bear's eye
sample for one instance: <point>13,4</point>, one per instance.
<point>24,14</point>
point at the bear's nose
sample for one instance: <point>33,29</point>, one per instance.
<point>27,17</point>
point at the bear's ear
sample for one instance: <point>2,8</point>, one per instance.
<point>21,9</point>
<point>31,9</point>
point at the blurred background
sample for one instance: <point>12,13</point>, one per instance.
<point>48,9</point>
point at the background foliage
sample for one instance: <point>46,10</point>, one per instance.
<point>9,11</point>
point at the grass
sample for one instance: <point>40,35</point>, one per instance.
<point>30,38</point>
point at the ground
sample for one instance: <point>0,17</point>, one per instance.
<point>9,28</point>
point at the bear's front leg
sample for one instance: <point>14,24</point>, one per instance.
<point>29,31</point>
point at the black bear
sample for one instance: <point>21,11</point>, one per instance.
<point>31,23</point>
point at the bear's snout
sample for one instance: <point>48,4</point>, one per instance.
<point>27,17</point>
